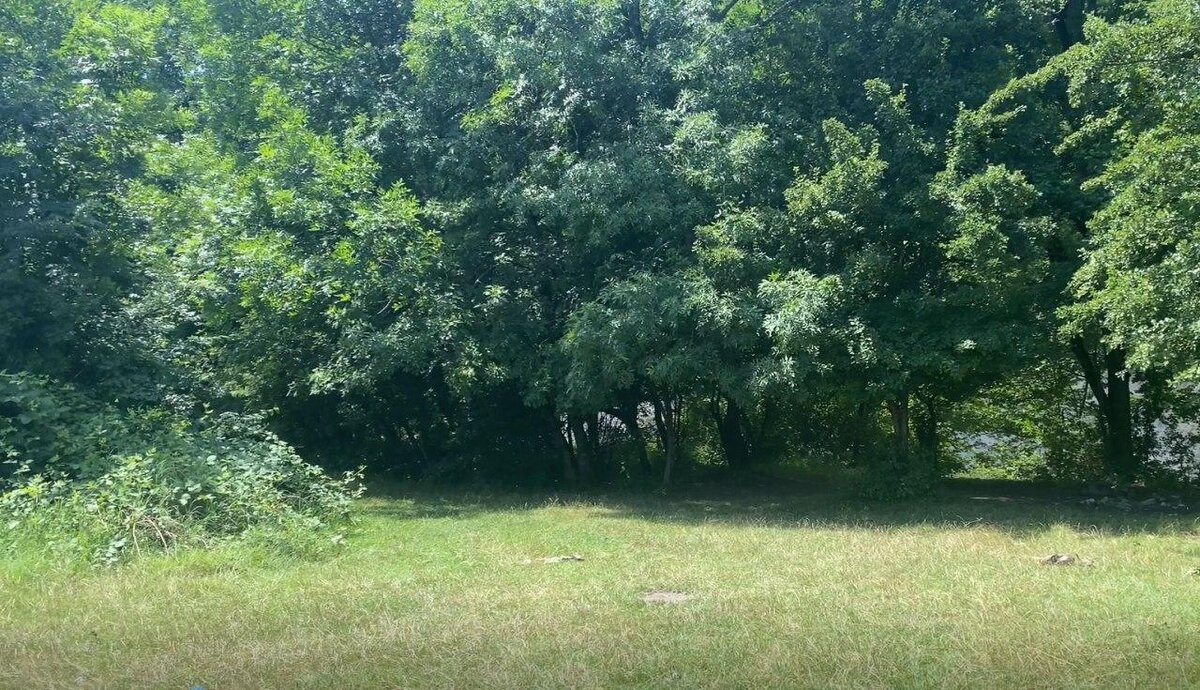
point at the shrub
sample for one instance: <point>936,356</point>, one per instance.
<point>106,483</point>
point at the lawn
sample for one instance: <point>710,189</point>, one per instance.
<point>788,589</point>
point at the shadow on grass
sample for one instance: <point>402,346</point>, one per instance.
<point>1018,508</point>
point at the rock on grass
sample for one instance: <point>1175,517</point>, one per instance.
<point>1065,559</point>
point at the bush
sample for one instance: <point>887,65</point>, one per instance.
<point>106,483</point>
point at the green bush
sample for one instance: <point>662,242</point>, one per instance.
<point>105,483</point>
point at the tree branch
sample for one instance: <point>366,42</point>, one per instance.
<point>1091,373</point>
<point>720,13</point>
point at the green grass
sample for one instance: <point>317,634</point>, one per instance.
<point>790,590</point>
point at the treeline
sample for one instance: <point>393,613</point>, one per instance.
<point>586,240</point>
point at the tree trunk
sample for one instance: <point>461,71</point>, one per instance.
<point>857,437</point>
<point>583,447</point>
<point>758,443</point>
<point>633,16</point>
<point>660,425</point>
<point>1111,392</point>
<point>414,439</point>
<point>568,455</point>
<point>672,454</point>
<point>898,408</point>
<point>628,414</point>
<point>1068,23</point>
<point>733,441</point>
<point>1119,440</point>
<point>666,420</point>
<point>599,461</point>
<point>927,429</point>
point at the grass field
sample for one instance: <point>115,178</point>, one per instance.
<point>789,589</point>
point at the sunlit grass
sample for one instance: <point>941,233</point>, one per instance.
<point>789,591</point>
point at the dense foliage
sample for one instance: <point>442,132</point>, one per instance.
<point>598,240</point>
<point>97,482</point>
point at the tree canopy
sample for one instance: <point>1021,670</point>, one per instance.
<point>605,240</point>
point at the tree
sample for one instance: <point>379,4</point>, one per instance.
<point>1073,181</point>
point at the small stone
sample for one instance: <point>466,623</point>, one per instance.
<point>1065,559</point>
<point>660,597</point>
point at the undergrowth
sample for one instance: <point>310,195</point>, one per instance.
<point>93,482</point>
